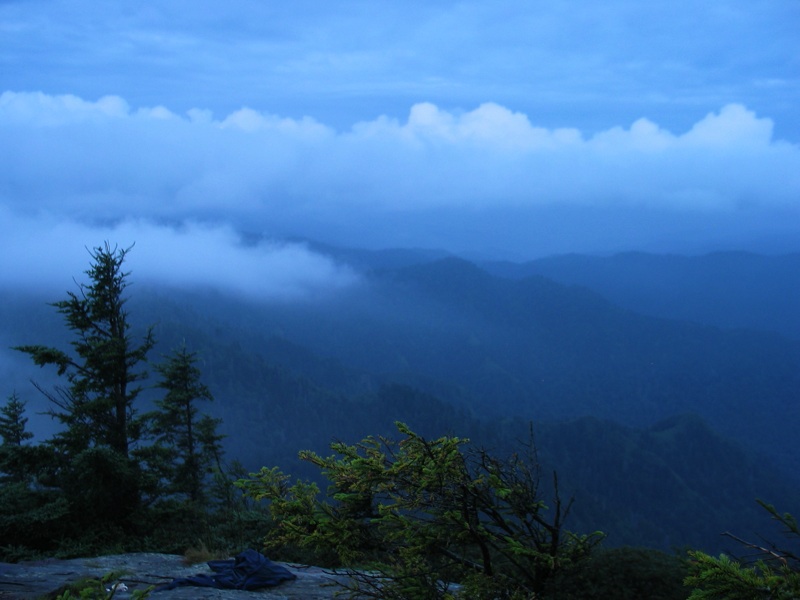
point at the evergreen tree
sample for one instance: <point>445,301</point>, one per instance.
<point>29,516</point>
<point>15,459</point>
<point>13,422</point>
<point>97,410</point>
<point>98,405</point>
<point>187,443</point>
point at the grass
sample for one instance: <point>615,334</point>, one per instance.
<point>201,554</point>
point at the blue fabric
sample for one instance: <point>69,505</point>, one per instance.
<point>249,570</point>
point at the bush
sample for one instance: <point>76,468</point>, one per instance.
<point>623,574</point>
<point>417,513</point>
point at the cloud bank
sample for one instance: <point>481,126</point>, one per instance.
<point>49,253</point>
<point>483,179</point>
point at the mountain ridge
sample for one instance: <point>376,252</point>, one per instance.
<point>731,289</point>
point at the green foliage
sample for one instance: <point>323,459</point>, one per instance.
<point>775,575</point>
<point>95,485</point>
<point>102,487</point>
<point>623,574</point>
<point>104,588</point>
<point>174,525</point>
<point>30,519</point>
<point>723,578</point>
<point>97,405</point>
<point>30,515</point>
<point>13,422</point>
<point>417,512</point>
<point>186,446</point>
<point>91,462</point>
<point>19,461</point>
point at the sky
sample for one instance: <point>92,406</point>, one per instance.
<point>492,129</point>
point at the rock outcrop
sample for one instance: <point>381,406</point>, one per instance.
<point>42,579</point>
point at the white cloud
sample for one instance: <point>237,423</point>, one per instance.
<point>214,257</point>
<point>42,110</point>
<point>82,162</point>
<point>491,156</point>
<point>46,252</point>
<point>733,126</point>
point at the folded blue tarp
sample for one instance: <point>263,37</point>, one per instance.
<point>249,570</point>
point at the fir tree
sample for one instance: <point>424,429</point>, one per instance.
<point>16,459</point>
<point>29,516</point>
<point>13,422</point>
<point>187,443</point>
<point>96,407</point>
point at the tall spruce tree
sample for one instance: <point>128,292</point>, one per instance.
<point>185,440</point>
<point>15,463</point>
<point>13,422</point>
<point>96,407</point>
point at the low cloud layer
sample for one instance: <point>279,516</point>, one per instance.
<point>66,154</point>
<point>50,253</point>
<point>477,180</point>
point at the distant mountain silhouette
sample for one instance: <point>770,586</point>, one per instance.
<point>727,289</point>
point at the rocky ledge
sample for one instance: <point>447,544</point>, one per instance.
<point>38,580</point>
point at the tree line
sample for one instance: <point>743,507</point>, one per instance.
<point>112,469</point>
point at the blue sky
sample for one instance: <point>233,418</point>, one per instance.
<point>498,129</point>
<point>564,64</point>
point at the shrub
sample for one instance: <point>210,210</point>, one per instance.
<point>410,515</point>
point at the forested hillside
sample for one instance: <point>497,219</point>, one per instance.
<point>533,349</point>
<point>665,431</point>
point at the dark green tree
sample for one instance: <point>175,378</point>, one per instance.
<point>424,512</point>
<point>16,457</point>
<point>96,407</point>
<point>623,573</point>
<point>13,422</point>
<point>29,516</point>
<point>187,444</point>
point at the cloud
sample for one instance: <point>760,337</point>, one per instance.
<point>41,110</point>
<point>214,256</point>
<point>91,162</point>
<point>733,125</point>
<point>559,62</point>
<point>49,253</point>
